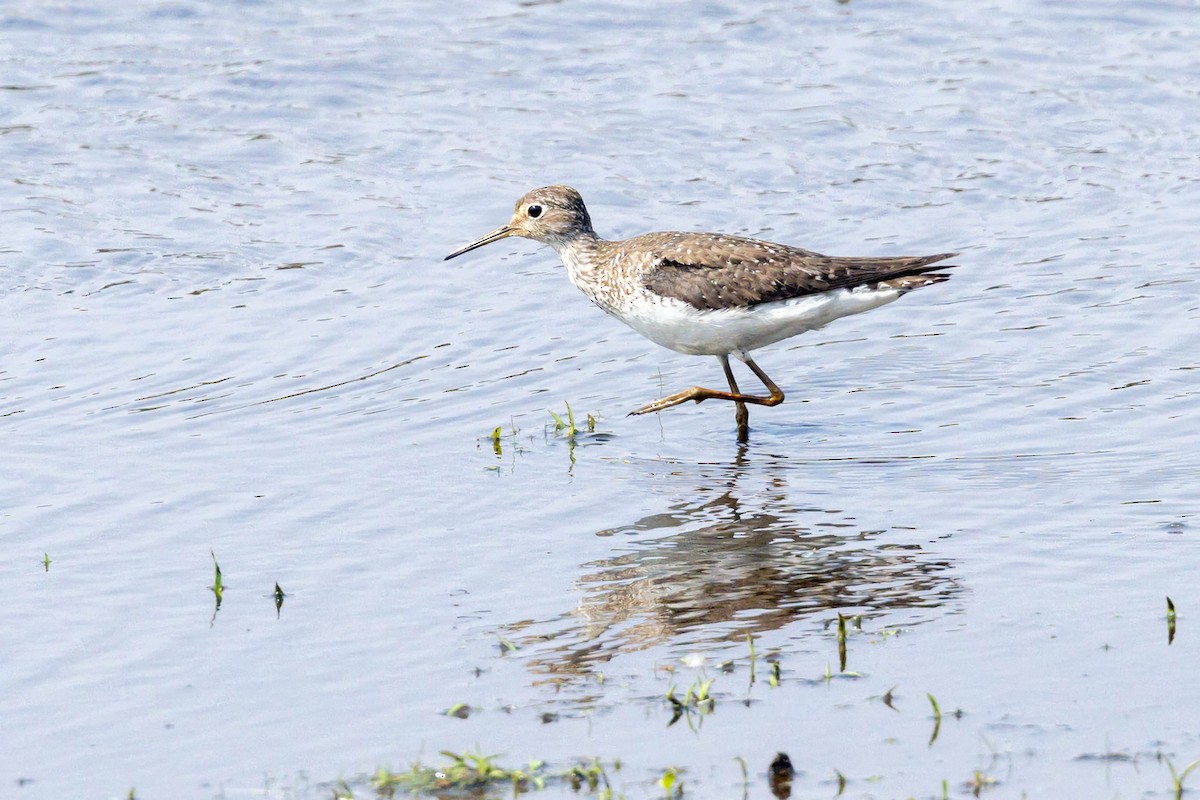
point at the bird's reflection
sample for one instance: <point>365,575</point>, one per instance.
<point>739,556</point>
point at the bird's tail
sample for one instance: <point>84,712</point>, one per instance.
<point>907,283</point>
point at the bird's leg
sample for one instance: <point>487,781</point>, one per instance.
<point>699,394</point>
<point>776,393</point>
<point>742,415</point>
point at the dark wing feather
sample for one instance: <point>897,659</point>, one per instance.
<point>712,271</point>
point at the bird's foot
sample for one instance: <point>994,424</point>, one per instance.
<point>695,393</point>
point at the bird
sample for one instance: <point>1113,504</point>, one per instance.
<point>710,294</point>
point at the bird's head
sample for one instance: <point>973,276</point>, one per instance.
<point>553,215</point>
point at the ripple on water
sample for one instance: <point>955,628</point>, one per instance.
<point>226,326</point>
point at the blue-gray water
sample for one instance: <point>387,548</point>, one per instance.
<point>226,326</point>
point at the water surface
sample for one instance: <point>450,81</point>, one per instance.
<point>226,328</point>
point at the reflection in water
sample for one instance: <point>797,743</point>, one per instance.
<point>735,561</point>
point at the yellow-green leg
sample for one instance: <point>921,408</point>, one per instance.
<point>699,394</point>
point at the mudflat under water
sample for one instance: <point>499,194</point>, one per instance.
<point>226,328</point>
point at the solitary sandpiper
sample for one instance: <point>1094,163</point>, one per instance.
<point>710,294</point>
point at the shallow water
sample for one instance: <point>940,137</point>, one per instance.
<point>226,328</point>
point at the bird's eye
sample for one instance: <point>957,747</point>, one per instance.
<point>534,211</point>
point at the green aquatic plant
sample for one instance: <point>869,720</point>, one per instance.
<point>937,718</point>
<point>567,425</point>
<point>567,428</point>
<point>417,778</point>
<point>698,694</point>
<point>498,438</point>
<point>841,640</point>
<point>475,773</point>
<point>46,561</point>
<point>218,587</point>
<point>1177,778</point>
<point>1170,621</point>
<point>594,776</point>
<point>980,781</point>
<point>385,783</point>
<point>474,768</point>
<point>591,774</point>
<point>698,699</point>
<point>753,657</point>
<point>530,776</point>
<point>670,783</point>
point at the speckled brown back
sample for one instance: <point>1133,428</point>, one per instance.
<point>713,271</point>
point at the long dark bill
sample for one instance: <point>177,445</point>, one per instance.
<point>495,236</point>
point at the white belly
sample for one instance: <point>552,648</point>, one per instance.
<point>677,325</point>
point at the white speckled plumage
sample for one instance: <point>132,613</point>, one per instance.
<point>709,293</point>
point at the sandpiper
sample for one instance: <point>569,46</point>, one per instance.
<point>709,293</point>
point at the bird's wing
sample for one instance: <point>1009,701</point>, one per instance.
<point>711,271</point>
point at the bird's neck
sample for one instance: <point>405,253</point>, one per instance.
<point>580,255</point>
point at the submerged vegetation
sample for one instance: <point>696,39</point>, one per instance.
<point>570,431</point>
<point>481,775</point>
<point>979,781</point>
<point>1179,776</point>
<point>841,640</point>
<point>937,719</point>
<point>698,699</point>
<point>1170,621</point>
<point>563,426</point>
<point>218,587</point>
<point>277,595</point>
<point>568,427</point>
<point>670,783</point>
<point>478,774</point>
<point>498,437</point>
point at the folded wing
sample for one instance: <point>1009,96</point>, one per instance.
<point>713,271</point>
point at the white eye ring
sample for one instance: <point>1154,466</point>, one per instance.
<point>534,211</point>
